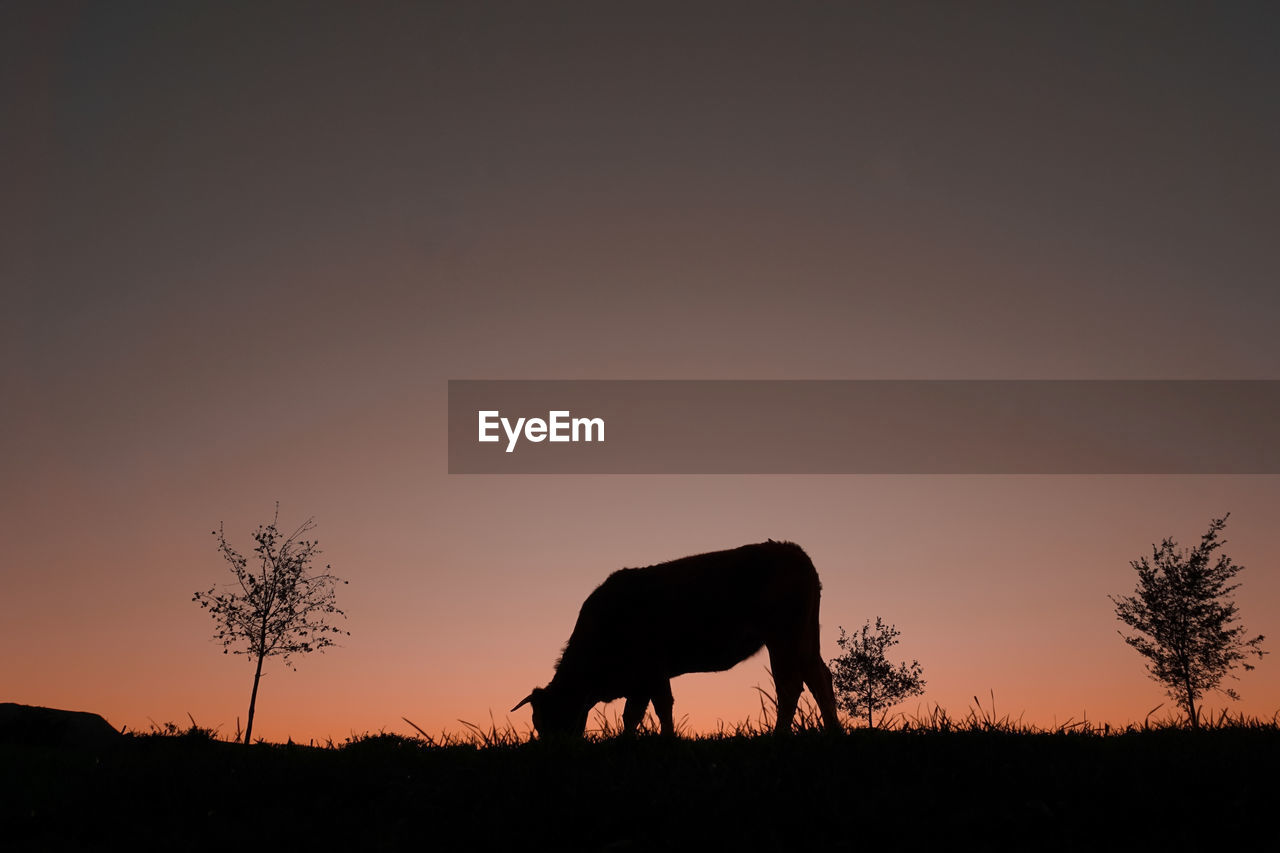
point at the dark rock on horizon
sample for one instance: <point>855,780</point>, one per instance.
<point>34,725</point>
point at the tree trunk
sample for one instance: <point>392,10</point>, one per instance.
<point>1191,706</point>
<point>262,653</point>
<point>253,700</point>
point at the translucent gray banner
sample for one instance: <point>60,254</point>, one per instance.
<point>863,427</point>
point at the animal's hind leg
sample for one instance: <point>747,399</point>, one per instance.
<point>818,679</point>
<point>633,712</point>
<point>787,682</point>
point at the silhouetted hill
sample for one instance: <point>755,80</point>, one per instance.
<point>911,789</point>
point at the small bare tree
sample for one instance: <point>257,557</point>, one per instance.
<point>279,607</point>
<point>1186,622</point>
<point>865,681</point>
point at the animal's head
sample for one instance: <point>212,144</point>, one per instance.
<point>556,712</point>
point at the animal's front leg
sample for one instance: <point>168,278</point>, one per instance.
<point>662,705</point>
<point>633,712</point>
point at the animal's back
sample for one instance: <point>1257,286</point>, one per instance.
<point>702,613</point>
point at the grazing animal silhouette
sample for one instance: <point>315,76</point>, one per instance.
<point>705,613</point>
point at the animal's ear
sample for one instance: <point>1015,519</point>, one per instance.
<point>525,701</point>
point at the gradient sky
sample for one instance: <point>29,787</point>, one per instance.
<point>244,247</point>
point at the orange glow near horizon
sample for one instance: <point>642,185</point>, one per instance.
<point>992,590</point>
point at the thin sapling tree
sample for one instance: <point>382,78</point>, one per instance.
<point>1185,621</point>
<point>280,605</point>
<point>864,679</point>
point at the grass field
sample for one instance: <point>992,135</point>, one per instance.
<point>928,783</point>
